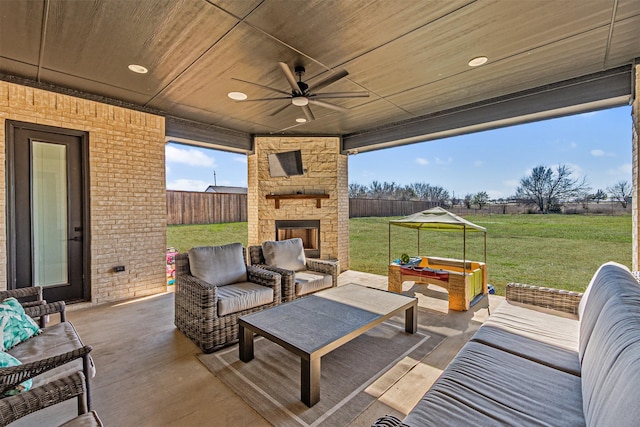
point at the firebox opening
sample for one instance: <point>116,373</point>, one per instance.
<point>307,230</point>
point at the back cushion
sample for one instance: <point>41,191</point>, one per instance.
<point>611,364</point>
<point>609,281</point>
<point>287,254</point>
<point>218,265</point>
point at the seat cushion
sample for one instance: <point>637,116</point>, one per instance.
<point>485,386</point>
<point>218,265</point>
<point>90,419</point>
<point>287,254</point>
<point>541,326</point>
<point>54,340</point>
<point>308,282</point>
<point>242,296</point>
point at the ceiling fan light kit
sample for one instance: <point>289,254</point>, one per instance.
<point>302,94</point>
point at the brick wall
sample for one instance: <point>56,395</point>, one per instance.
<point>127,187</point>
<point>326,172</point>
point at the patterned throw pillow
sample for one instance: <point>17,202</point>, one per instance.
<point>7,360</point>
<point>15,325</point>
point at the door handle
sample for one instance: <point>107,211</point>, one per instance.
<point>76,238</point>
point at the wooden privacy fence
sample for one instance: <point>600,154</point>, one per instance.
<point>189,207</point>
<point>380,207</point>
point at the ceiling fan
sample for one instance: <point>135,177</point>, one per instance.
<point>302,94</point>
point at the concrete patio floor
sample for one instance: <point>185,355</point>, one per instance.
<point>148,375</point>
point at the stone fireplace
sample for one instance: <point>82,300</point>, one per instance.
<point>313,206</point>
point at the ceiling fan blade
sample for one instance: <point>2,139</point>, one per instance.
<point>340,95</point>
<point>290,77</point>
<point>279,110</point>
<point>308,113</point>
<point>287,128</point>
<point>262,86</point>
<point>267,99</point>
<point>327,105</point>
<point>329,80</point>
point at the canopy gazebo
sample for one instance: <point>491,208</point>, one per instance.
<point>464,279</point>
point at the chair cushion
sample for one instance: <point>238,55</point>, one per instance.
<point>485,386</point>
<point>287,254</point>
<point>7,360</point>
<point>54,340</point>
<point>242,296</point>
<point>90,419</point>
<point>16,326</point>
<point>218,265</point>
<point>308,282</point>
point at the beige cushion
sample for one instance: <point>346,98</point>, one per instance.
<point>287,254</point>
<point>90,419</point>
<point>308,282</point>
<point>218,265</point>
<point>54,340</point>
<point>484,386</point>
<point>242,296</point>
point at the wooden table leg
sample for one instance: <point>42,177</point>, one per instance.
<point>246,344</point>
<point>310,381</point>
<point>411,319</point>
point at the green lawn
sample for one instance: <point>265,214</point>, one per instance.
<point>560,251</point>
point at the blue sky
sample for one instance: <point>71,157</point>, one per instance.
<point>596,145</point>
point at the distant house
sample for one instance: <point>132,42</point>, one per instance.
<point>225,189</point>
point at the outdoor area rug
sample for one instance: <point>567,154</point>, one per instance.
<point>352,376</point>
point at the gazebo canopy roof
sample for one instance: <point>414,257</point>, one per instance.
<point>437,219</point>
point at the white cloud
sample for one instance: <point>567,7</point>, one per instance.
<point>187,185</point>
<point>478,163</point>
<point>167,169</point>
<point>439,161</point>
<point>511,183</point>
<point>240,159</point>
<point>587,115</point>
<point>601,153</point>
<point>573,145</point>
<point>623,171</point>
<point>188,156</point>
<point>495,194</point>
<point>422,161</point>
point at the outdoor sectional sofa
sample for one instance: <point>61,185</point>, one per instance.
<point>532,366</point>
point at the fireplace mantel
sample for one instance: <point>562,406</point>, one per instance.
<point>278,197</point>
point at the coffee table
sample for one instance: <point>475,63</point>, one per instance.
<point>315,325</point>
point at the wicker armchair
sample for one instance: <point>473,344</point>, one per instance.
<point>289,289</point>
<point>199,312</point>
<point>15,407</point>
<point>56,352</point>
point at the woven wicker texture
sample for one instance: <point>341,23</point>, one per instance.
<point>196,306</point>
<point>256,258</point>
<point>554,299</point>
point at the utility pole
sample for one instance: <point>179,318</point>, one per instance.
<point>214,179</point>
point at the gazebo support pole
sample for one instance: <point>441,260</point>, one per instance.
<point>389,243</point>
<point>464,249</point>
<point>418,241</point>
<point>485,247</point>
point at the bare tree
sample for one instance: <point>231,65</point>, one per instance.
<point>481,198</point>
<point>546,187</point>
<point>621,192</point>
<point>357,190</point>
<point>598,196</point>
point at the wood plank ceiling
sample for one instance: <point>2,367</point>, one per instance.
<point>410,55</point>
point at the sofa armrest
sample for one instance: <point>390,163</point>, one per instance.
<point>196,296</point>
<point>14,407</point>
<point>11,376</point>
<point>287,281</point>
<point>42,310</point>
<point>326,267</point>
<point>554,299</point>
<point>266,277</point>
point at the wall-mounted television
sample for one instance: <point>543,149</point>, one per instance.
<point>286,164</point>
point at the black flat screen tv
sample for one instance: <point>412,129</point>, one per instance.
<point>285,164</point>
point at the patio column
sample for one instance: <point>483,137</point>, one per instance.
<point>635,116</point>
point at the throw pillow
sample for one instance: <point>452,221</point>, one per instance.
<point>7,360</point>
<point>218,265</point>
<point>287,254</point>
<point>16,326</point>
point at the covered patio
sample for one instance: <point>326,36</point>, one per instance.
<point>124,78</point>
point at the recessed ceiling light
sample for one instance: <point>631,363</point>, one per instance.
<point>301,120</point>
<point>237,96</point>
<point>477,61</point>
<point>299,101</point>
<point>138,69</point>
